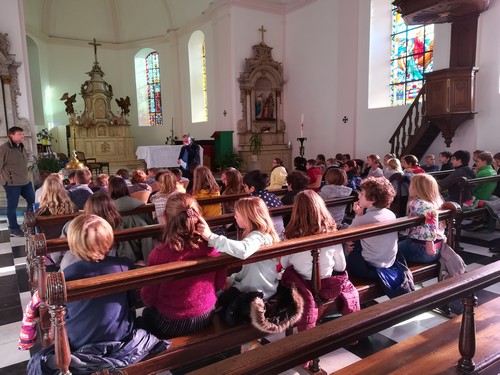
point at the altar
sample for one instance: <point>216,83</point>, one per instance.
<point>162,156</point>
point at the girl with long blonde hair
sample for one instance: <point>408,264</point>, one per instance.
<point>55,199</point>
<point>205,186</point>
<point>179,307</point>
<point>167,184</point>
<point>423,244</point>
<point>252,216</point>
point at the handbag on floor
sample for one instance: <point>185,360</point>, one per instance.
<point>397,279</point>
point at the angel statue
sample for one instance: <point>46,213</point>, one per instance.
<point>68,101</point>
<point>124,105</point>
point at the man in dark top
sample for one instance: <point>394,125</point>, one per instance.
<point>460,160</point>
<point>190,154</point>
<point>445,159</point>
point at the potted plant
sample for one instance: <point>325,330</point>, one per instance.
<point>45,136</point>
<point>49,163</point>
<point>256,144</point>
<point>231,159</point>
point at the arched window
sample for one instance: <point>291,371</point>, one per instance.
<point>198,77</point>
<point>411,57</point>
<point>147,73</point>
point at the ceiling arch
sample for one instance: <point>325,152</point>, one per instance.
<point>124,21</point>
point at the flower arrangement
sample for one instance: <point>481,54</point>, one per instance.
<point>265,128</point>
<point>45,136</point>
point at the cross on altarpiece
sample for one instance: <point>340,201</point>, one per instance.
<point>262,31</point>
<point>95,44</point>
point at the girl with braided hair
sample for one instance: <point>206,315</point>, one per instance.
<point>179,307</point>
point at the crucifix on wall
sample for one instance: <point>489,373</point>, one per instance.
<point>262,31</point>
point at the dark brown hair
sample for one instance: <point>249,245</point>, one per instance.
<point>117,187</point>
<point>102,205</point>
<point>336,176</point>
<point>234,181</point>
<point>379,190</point>
<point>183,212</point>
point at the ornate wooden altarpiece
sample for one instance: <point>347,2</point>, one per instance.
<point>261,87</point>
<point>97,131</point>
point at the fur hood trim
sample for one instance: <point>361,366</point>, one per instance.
<point>286,319</point>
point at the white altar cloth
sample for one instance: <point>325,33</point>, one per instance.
<point>161,156</point>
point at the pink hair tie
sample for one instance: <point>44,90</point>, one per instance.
<point>190,212</point>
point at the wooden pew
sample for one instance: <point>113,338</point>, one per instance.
<point>217,338</point>
<point>466,213</point>
<point>31,221</point>
<point>284,354</point>
<point>38,247</point>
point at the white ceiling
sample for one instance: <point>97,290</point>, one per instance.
<point>120,21</point>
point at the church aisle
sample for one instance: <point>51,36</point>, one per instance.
<point>15,294</point>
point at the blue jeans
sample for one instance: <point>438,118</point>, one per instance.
<point>415,252</point>
<point>358,266</point>
<point>13,193</point>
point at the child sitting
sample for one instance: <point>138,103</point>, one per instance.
<point>309,217</point>
<point>380,251</point>
<point>314,173</point>
<point>101,330</point>
<point>179,307</point>
<point>252,216</point>
<point>254,183</point>
<point>336,181</point>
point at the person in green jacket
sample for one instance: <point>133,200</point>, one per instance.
<point>484,169</point>
<point>482,191</point>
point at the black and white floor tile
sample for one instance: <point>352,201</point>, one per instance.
<point>15,295</point>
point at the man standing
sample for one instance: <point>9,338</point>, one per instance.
<point>14,177</point>
<point>190,154</point>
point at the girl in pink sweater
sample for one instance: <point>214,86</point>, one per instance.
<point>179,307</point>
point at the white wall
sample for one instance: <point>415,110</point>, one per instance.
<point>324,47</point>
<point>311,75</point>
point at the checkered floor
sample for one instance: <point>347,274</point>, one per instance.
<point>15,295</point>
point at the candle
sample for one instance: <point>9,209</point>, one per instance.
<point>302,126</point>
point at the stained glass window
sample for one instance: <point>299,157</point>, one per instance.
<point>198,77</point>
<point>411,57</point>
<point>204,63</point>
<point>154,89</point>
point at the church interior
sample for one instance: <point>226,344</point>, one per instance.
<point>309,76</point>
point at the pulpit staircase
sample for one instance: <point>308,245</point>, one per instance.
<point>446,100</point>
<point>415,133</point>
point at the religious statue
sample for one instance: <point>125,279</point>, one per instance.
<point>258,106</point>
<point>124,105</point>
<point>68,101</point>
<point>268,112</point>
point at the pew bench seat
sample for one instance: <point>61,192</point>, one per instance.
<point>215,339</point>
<point>220,337</point>
<point>435,350</point>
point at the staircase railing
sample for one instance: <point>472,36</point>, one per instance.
<point>410,123</point>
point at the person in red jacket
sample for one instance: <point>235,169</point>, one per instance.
<point>179,307</point>
<point>410,164</point>
<point>314,173</point>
